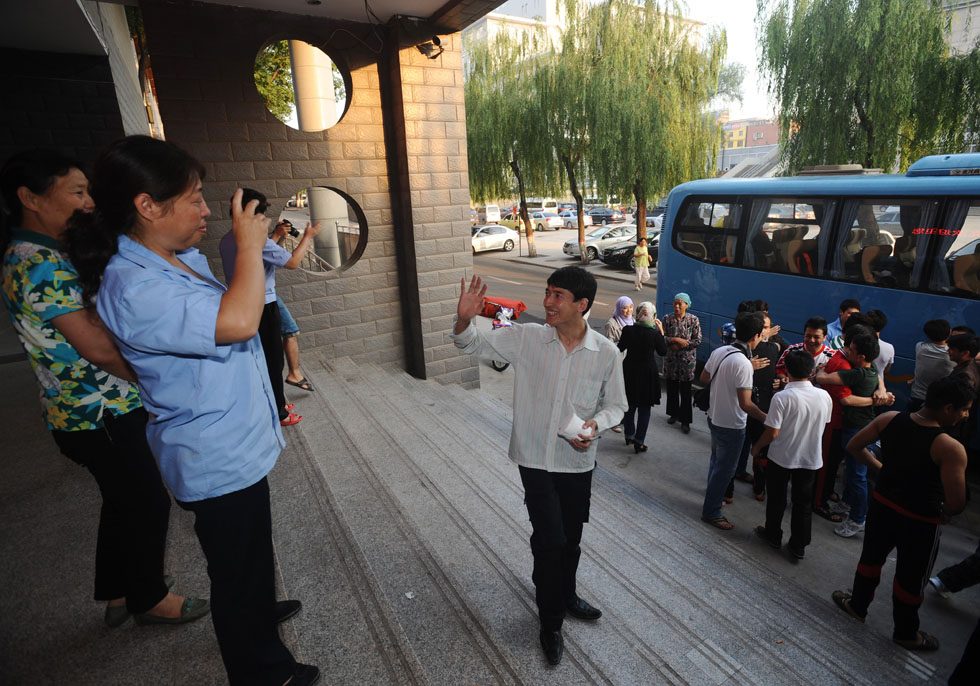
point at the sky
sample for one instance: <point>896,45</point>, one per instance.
<point>737,17</point>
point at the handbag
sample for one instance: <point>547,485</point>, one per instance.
<point>702,396</point>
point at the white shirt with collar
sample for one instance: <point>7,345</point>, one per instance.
<point>800,412</point>
<point>550,384</point>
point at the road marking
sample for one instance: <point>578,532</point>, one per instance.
<point>497,278</point>
<point>601,303</point>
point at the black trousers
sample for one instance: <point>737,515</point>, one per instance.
<point>968,669</point>
<point>558,506</point>
<point>235,532</point>
<point>833,455</point>
<point>135,508</point>
<point>679,401</point>
<point>271,337</point>
<point>963,574</point>
<point>777,479</point>
<point>916,542</point>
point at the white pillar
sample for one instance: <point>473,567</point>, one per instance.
<point>330,209</point>
<point>316,103</point>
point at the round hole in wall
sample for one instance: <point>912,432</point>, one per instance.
<point>301,85</point>
<point>342,232</point>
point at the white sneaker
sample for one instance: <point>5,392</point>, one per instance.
<point>848,528</point>
<point>940,587</point>
<point>840,507</point>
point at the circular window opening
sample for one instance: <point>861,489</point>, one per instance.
<point>342,228</point>
<point>300,85</point>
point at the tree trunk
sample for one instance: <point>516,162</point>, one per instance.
<point>532,250</point>
<point>580,210</point>
<point>641,211</point>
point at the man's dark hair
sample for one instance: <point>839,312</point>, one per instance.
<point>816,323</point>
<point>964,341</point>
<point>857,319</point>
<point>867,345</point>
<point>748,325</point>
<point>950,390</point>
<point>936,330</point>
<point>575,279</point>
<point>857,330</point>
<point>963,328</point>
<point>799,363</point>
<point>878,320</point>
<point>849,304</point>
<point>748,306</point>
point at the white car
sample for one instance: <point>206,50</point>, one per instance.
<point>546,220</point>
<point>493,237</point>
<point>599,239</point>
<point>570,218</point>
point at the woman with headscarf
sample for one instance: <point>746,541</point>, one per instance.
<point>640,341</point>
<point>623,316</point>
<point>683,333</point>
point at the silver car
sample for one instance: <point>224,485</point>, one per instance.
<point>542,221</point>
<point>599,239</point>
<point>493,237</point>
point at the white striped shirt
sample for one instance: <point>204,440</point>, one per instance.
<point>550,384</point>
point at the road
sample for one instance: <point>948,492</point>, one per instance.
<point>511,279</point>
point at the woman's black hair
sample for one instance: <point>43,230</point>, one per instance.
<point>128,167</point>
<point>36,170</point>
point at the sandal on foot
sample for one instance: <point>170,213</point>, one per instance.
<point>828,515</point>
<point>291,419</point>
<point>761,497</point>
<point>728,499</point>
<point>922,641</point>
<point>719,523</point>
<point>842,599</point>
<point>302,383</point>
<point>193,608</point>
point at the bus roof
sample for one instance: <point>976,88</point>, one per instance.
<point>874,185</point>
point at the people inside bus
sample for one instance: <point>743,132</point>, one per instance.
<point>966,272</point>
<point>801,255</point>
<point>683,333</point>
<point>835,330</point>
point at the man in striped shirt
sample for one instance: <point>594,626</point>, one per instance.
<point>568,387</point>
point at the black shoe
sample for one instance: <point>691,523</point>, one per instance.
<point>553,646</point>
<point>797,553</point>
<point>686,428</point>
<point>761,532</point>
<point>286,609</point>
<point>671,420</point>
<point>579,609</point>
<point>305,675</point>
<point>639,447</point>
<point>629,440</point>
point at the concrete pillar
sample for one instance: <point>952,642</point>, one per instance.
<point>316,103</point>
<point>330,209</point>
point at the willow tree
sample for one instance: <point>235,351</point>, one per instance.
<point>503,133</point>
<point>867,81</point>
<point>653,80</point>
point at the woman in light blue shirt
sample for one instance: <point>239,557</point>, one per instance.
<point>214,427</point>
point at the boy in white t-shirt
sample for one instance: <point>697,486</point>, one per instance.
<point>794,430</point>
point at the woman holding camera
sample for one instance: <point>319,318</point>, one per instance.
<point>192,341</point>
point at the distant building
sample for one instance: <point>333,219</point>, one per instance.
<point>964,29</point>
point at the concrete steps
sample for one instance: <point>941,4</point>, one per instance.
<point>419,550</point>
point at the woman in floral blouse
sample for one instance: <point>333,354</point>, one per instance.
<point>683,334</point>
<point>88,393</point>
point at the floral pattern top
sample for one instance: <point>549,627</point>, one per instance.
<point>679,364</point>
<point>39,284</point>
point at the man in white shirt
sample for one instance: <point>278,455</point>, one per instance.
<point>568,387</point>
<point>886,351</point>
<point>794,434</point>
<point>729,372</point>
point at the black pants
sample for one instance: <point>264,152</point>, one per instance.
<point>777,479</point>
<point>833,455</point>
<point>135,508</point>
<point>917,542</point>
<point>271,337</point>
<point>235,532</point>
<point>967,670</point>
<point>558,506</point>
<point>753,430</point>
<point>963,574</point>
<point>679,401</point>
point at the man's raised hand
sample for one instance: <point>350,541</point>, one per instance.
<point>470,299</point>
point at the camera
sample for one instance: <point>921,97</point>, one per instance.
<point>249,194</point>
<point>290,229</point>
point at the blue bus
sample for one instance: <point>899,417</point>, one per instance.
<point>908,245</point>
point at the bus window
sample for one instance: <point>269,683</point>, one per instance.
<point>783,234</point>
<point>879,241</point>
<point>958,268</point>
<point>709,231</point>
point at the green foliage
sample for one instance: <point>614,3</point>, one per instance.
<point>274,80</point>
<point>866,81</point>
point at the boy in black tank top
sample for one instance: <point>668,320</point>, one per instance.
<point>922,479</point>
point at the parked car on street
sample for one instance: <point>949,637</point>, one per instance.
<point>621,254</point>
<point>570,218</point>
<point>541,221</point>
<point>493,237</point>
<point>599,239</point>
<point>605,215</point>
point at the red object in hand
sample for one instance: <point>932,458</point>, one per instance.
<point>492,305</point>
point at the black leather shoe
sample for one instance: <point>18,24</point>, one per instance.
<point>286,609</point>
<point>579,609</point>
<point>553,646</point>
<point>305,675</point>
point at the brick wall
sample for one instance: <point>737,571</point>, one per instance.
<point>61,101</point>
<point>209,106</point>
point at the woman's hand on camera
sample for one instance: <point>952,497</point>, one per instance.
<point>251,229</point>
